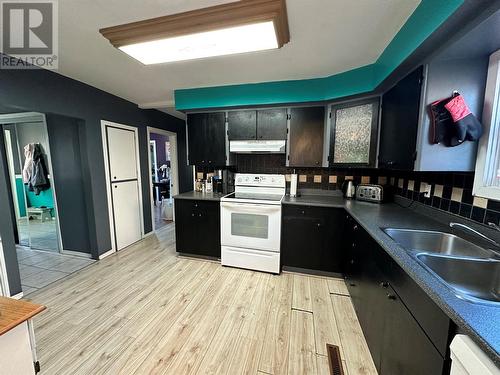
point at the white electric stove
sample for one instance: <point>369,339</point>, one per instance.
<point>251,222</point>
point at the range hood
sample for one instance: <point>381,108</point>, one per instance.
<point>257,147</point>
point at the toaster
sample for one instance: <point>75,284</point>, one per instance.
<point>371,193</point>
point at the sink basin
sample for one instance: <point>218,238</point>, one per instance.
<point>473,279</point>
<point>437,242</point>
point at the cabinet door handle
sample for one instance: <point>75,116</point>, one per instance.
<point>355,227</point>
<point>199,215</point>
<point>384,284</point>
<point>196,204</point>
<point>303,212</point>
<point>318,225</point>
<point>391,297</point>
<point>192,214</point>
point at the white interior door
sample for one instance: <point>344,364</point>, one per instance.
<point>122,154</point>
<point>125,185</point>
<point>126,210</point>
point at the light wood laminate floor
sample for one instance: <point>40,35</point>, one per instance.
<point>147,311</point>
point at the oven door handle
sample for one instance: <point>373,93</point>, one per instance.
<point>251,207</point>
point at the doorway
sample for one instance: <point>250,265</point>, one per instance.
<point>32,183</point>
<point>164,181</point>
<point>123,183</point>
<point>41,256</point>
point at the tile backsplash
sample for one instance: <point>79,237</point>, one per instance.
<point>449,191</point>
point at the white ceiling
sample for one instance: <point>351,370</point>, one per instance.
<point>326,37</point>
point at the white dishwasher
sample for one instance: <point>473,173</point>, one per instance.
<point>468,359</point>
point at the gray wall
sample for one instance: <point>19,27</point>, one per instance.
<point>468,76</point>
<point>7,220</point>
<point>66,149</point>
<point>50,93</point>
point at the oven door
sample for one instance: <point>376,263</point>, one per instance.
<point>251,226</point>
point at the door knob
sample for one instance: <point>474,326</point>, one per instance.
<point>391,296</point>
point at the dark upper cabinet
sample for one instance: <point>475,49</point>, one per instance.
<point>197,228</point>
<point>268,124</point>
<point>207,139</point>
<point>399,123</point>
<point>354,131</point>
<point>271,124</point>
<point>242,125</point>
<point>310,237</point>
<point>306,135</point>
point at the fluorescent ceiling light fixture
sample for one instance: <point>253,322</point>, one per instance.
<point>229,41</point>
<point>237,27</point>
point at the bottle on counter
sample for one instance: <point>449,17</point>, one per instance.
<point>209,185</point>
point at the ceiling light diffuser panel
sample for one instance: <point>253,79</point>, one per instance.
<point>244,26</point>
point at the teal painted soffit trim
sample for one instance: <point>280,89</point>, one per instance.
<point>426,18</point>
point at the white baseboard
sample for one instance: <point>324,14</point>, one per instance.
<point>18,296</point>
<point>107,253</point>
<point>77,254</point>
<point>148,234</point>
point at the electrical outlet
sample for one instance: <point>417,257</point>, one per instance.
<point>426,189</point>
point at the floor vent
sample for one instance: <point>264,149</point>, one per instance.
<point>334,360</point>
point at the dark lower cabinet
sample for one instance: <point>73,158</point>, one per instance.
<point>310,238</point>
<point>405,336</point>
<point>405,347</point>
<point>197,227</point>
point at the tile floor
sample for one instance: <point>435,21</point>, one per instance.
<point>43,235</point>
<point>40,268</point>
<point>159,221</point>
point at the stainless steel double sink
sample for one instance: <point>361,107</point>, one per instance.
<point>471,271</point>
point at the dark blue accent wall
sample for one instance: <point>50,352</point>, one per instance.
<point>48,92</point>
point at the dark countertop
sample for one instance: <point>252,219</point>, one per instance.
<point>479,321</point>
<point>195,195</point>
<point>333,200</point>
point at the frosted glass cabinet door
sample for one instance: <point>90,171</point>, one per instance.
<point>354,133</point>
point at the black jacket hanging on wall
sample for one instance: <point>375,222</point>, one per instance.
<point>39,179</point>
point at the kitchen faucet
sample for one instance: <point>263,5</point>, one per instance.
<point>463,226</point>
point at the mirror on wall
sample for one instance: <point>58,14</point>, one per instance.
<point>30,172</point>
